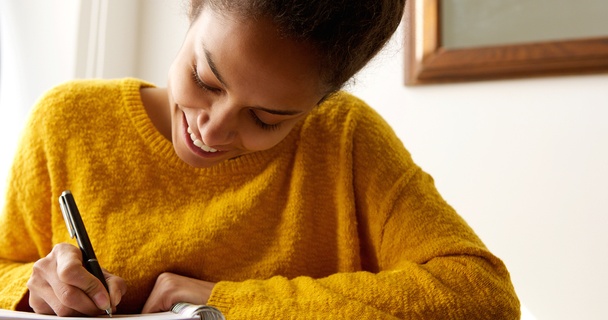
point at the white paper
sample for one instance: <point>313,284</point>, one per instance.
<point>8,314</point>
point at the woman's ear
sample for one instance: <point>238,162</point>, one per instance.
<point>195,8</point>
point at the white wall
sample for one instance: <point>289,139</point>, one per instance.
<point>38,41</point>
<point>524,161</point>
<point>163,27</point>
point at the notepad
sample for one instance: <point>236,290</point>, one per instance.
<point>180,311</point>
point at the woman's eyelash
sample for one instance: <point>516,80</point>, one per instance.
<point>261,123</point>
<point>197,80</point>
<point>200,83</point>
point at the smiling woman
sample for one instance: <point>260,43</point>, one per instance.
<point>243,96</point>
<point>251,183</point>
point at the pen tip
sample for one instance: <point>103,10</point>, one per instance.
<point>109,312</point>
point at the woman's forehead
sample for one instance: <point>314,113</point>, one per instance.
<point>251,55</point>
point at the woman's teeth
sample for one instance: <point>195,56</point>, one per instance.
<point>197,142</point>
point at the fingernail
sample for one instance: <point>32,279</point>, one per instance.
<point>102,301</point>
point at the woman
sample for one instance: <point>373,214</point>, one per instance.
<point>250,183</point>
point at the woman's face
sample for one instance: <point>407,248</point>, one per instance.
<point>237,87</point>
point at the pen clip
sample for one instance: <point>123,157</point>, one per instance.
<point>67,217</point>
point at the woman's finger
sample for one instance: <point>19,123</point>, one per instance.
<point>117,286</point>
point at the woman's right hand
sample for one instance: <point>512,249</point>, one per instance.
<point>61,285</point>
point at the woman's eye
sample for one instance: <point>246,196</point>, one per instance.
<point>200,83</point>
<point>263,124</point>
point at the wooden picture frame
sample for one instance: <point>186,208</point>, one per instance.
<point>426,61</point>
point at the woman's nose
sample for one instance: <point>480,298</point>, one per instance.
<point>218,126</point>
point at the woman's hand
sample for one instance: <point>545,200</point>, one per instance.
<point>170,289</point>
<point>61,285</point>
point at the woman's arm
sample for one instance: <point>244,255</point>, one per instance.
<point>430,266</point>
<point>34,272</point>
<point>25,221</point>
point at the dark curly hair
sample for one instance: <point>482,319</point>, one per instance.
<point>347,34</point>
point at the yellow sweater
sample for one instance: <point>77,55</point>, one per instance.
<point>335,222</point>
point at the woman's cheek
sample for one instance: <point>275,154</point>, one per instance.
<point>263,140</point>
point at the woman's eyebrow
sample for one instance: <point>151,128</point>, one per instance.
<point>213,67</point>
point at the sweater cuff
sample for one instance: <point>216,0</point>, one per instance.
<point>221,296</point>
<point>15,290</point>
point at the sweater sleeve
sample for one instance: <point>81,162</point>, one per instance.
<point>431,266</point>
<point>420,260</point>
<point>25,221</point>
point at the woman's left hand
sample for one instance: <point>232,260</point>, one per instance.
<point>171,288</point>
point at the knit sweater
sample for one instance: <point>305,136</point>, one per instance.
<point>334,222</point>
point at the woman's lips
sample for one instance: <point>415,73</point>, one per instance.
<point>197,142</point>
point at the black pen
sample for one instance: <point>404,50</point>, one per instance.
<point>73,221</point>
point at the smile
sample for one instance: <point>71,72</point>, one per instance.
<point>197,142</point>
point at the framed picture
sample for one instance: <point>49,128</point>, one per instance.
<point>462,40</point>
